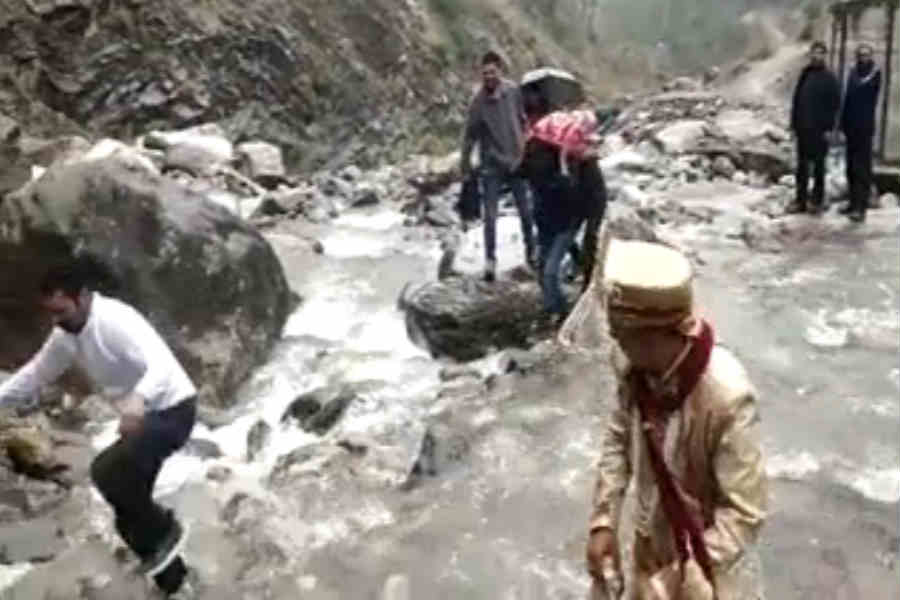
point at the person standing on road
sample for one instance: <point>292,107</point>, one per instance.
<point>496,122</point>
<point>858,125</point>
<point>131,364</point>
<point>814,111</point>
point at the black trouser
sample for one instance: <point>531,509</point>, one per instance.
<point>859,172</point>
<point>126,471</point>
<point>812,148</point>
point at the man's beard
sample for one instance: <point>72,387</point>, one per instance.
<point>73,326</point>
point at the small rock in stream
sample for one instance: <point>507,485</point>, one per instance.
<point>257,438</point>
<point>454,372</point>
<point>319,410</point>
<point>204,449</point>
<point>396,588</point>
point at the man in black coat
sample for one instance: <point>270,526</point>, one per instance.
<point>814,111</point>
<point>858,125</point>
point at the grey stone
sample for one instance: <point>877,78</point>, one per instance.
<point>32,541</point>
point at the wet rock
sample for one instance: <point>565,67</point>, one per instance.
<point>740,178</point>
<point>441,216</point>
<point>454,372</point>
<point>262,162</point>
<point>197,150</point>
<point>45,7</point>
<point>257,438</point>
<point>319,410</point>
<point>219,473</point>
<point>31,451</point>
<point>836,186</point>
<point>199,157</point>
<point>681,136</point>
<point>437,174</point>
<point>32,541</point>
<point>723,166</point>
<point>270,206</point>
<point>351,173</point>
<point>519,361</point>
<point>45,152</point>
<point>465,317</point>
<point>890,200</point>
<point>203,449</point>
<point>632,196</point>
<point>396,587</point>
<point>364,195</point>
<point>242,510</point>
<point>742,125</point>
<point>334,187</point>
<point>711,75</point>
<point>442,448</point>
<point>355,446</point>
<point>759,157</point>
<point>207,280</point>
<point>445,265</point>
<point>9,129</point>
<point>625,223</point>
<point>314,460</point>
<point>626,160</point>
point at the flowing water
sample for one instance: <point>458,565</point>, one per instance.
<point>817,327</point>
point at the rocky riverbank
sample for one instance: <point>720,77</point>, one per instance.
<point>343,460</point>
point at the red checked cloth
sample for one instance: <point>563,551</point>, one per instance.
<point>568,130</point>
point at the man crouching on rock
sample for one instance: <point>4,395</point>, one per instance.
<point>684,429</point>
<point>125,357</point>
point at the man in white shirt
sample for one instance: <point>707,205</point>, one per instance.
<point>127,359</point>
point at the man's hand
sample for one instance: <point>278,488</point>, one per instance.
<point>604,565</point>
<point>132,409</point>
<point>129,424</point>
<point>601,547</point>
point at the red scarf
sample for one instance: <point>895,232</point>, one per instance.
<point>687,525</point>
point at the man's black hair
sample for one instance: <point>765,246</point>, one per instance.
<point>818,45</point>
<point>491,58</point>
<point>74,275</point>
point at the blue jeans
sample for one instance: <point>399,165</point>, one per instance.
<point>552,254</point>
<point>492,182</point>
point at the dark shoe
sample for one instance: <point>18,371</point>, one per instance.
<point>795,208</point>
<point>846,209</point>
<point>490,270</point>
<point>816,209</point>
<point>173,581</point>
<point>531,259</point>
<point>168,550</point>
<point>857,216</point>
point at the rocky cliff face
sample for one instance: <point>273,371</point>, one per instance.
<point>329,82</point>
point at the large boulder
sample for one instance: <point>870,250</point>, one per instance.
<point>464,317</point>
<point>207,280</point>
<point>766,158</point>
<point>678,137</point>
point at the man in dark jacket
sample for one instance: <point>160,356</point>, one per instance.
<point>564,204</point>
<point>814,111</point>
<point>858,125</point>
<point>496,122</point>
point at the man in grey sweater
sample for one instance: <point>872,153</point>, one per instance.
<point>496,122</point>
